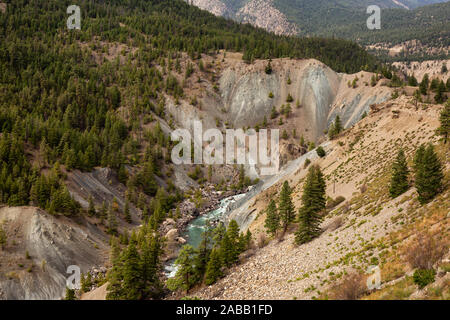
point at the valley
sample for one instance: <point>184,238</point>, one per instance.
<point>87,172</point>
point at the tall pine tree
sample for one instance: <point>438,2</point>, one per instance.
<point>429,175</point>
<point>272,223</point>
<point>444,129</point>
<point>214,267</point>
<point>399,179</point>
<point>313,202</point>
<point>286,207</point>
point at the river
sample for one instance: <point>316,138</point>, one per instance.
<point>194,230</point>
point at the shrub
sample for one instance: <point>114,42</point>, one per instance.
<point>320,152</point>
<point>307,163</point>
<point>423,277</point>
<point>333,203</point>
<point>262,240</point>
<point>351,288</point>
<point>425,252</point>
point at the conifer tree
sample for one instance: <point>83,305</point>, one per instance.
<point>132,273</point>
<point>429,175</point>
<point>203,252</point>
<point>286,207</point>
<point>313,202</point>
<point>418,158</point>
<point>226,251</point>
<point>185,276</point>
<point>444,129</point>
<point>91,210</point>
<point>399,179</point>
<point>214,267</point>
<point>114,289</point>
<point>272,223</point>
<point>127,212</point>
<point>150,266</point>
<point>112,221</point>
<point>103,212</point>
<point>3,238</point>
<point>338,125</point>
<point>70,294</point>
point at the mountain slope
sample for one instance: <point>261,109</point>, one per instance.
<point>428,22</point>
<point>367,228</point>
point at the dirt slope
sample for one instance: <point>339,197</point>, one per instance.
<point>52,244</point>
<point>360,228</point>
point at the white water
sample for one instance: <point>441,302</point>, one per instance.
<point>197,226</point>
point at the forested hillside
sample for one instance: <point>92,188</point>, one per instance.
<point>401,21</point>
<point>348,20</point>
<point>58,105</point>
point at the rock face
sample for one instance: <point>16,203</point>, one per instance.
<point>262,14</point>
<point>322,93</point>
<point>40,249</point>
<point>216,7</point>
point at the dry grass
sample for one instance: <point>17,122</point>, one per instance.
<point>425,251</point>
<point>262,240</point>
<point>352,287</point>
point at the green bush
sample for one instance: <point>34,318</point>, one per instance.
<point>320,152</point>
<point>423,277</point>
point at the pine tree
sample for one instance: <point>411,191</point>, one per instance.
<point>91,210</point>
<point>185,276</point>
<point>114,289</point>
<point>3,237</point>
<point>203,252</point>
<point>233,237</point>
<point>131,271</point>
<point>273,113</point>
<point>423,87</point>
<point>399,179</point>
<point>412,81</point>
<point>150,267</point>
<point>70,294</point>
<point>226,251</point>
<point>418,158</point>
<point>272,223</point>
<point>338,125</point>
<point>444,129</point>
<point>213,268</point>
<point>313,202</point>
<point>286,207</point>
<point>440,93</point>
<point>103,212</point>
<point>112,221</point>
<point>127,212</point>
<point>429,175</point>
<point>248,239</point>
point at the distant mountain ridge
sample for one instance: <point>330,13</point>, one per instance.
<point>402,20</point>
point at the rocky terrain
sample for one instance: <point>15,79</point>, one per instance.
<point>368,226</point>
<point>40,249</point>
<point>240,100</point>
<point>214,6</point>
<point>262,14</point>
<point>432,67</point>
